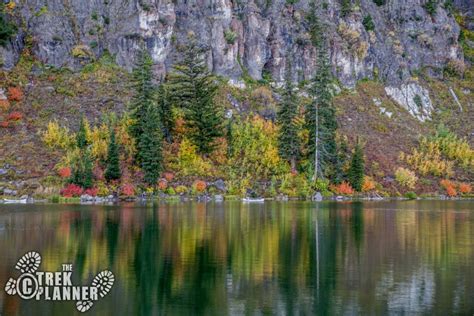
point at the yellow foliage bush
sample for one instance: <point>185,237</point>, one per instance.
<point>406,177</point>
<point>295,185</point>
<point>56,137</point>
<point>189,163</point>
<point>455,148</point>
<point>428,159</point>
<point>255,151</point>
<point>98,137</point>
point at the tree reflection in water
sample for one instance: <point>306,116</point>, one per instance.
<point>231,258</point>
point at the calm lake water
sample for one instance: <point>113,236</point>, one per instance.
<point>231,258</point>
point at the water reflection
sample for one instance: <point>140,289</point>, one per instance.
<point>230,258</point>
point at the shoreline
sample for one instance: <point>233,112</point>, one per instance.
<point>207,199</point>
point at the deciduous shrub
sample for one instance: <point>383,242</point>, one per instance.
<point>428,159</point>
<point>255,151</point>
<point>368,185</point>
<point>91,191</point>
<point>449,186</point>
<point>4,105</point>
<point>295,185</point>
<point>465,188</point>
<point>344,188</point>
<point>15,116</point>
<point>454,148</point>
<point>199,186</point>
<point>15,94</point>
<point>406,178</point>
<point>189,162</point>
<point>411,195</point>
<point>128,189</point>
<point>99,137</point>
<point>181,189</point>
<point>71,190</point>
<point>162,184</point>
<point>64,172</point>
<point>169,176</point>
<point>57,137</point>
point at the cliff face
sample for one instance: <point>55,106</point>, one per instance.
<point>253,37</point>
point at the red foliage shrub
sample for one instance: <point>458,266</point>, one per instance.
<point>4,124</point>
<point>71,190</point>
<point>15,94</point>
<point>162,184</point>
<point>91,191</point>
<point>465,188</point>
<point>128,189</point>
<point>344,188</point>
<point>64,172</point>
<point>200,185</point>
<point>15,116</point>
<point>169,176</point>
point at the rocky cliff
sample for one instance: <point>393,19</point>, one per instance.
<point>383,39</point>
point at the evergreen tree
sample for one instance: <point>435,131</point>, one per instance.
<point>193,87</point>
<point>320,114</point>
<point>7,29</point>
<point>112,171</point>
<point>288,140</point>
<point>143,96</point>
<point>356,170</point>
<point>82,164</point>
<point>81,136</point>
<point>82,174</point>
<point>346,7</point>
<point>230,138</point>
<point>342,153</point>
<point>150,146</point>
<point>165,111</point>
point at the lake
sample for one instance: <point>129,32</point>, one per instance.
<point>231,258</point>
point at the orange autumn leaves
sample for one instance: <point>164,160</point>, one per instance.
<point>452,188</point>
<point>14,94</point>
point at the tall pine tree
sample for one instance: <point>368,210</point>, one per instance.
<point>150,146</point>
<point>112,171</point>
<point>165,111</point>
<point>81,136</point>
<point>288,140</point>
<point>143,96</point>
<point>81,173</point>
<point>320,115</point>
<point>193,87</point>
<point>356,170</point>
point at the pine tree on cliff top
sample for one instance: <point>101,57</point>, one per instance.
<point>150,146</point>
<point>112,171</point>
<point>193,87</point>
<point>288,140</point>
<point>356,170</point>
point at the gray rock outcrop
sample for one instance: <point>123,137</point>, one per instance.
<point>253,37</point>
